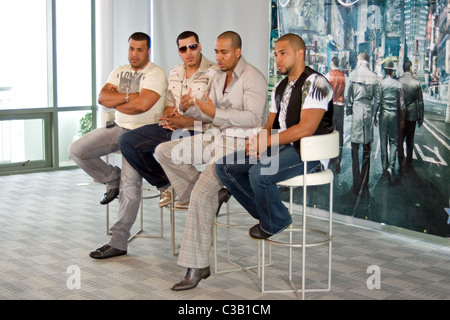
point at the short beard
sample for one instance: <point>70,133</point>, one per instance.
<point>286,72</point>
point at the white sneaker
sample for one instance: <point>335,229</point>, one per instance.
<point>180,205</point>
<point>165,198</point>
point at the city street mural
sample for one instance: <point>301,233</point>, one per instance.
<point>390,31</point>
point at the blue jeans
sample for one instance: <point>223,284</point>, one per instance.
<point>138,147</point>
<point>254,186</point>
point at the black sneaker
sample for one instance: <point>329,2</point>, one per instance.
<point>106,252</point>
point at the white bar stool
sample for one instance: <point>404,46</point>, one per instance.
<point>318,147</point>
<point>146,194</point>
<point>108,116</point>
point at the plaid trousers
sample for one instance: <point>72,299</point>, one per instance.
<point>179,159</point>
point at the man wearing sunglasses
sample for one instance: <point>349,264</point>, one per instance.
<point>236,102</point>
<point>187,81</point>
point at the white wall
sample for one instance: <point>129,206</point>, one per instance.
<point>116,20</point>
<point>130,16</point>
<point>104,35</point>
<point>209,18</point>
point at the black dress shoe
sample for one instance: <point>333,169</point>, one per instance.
<point>106,252</point>
<point>257,233</point>
<point>192,278</point>
<point>109,196</point>
<point>224,196</point>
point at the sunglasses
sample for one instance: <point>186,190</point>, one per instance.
<point>192,46</point>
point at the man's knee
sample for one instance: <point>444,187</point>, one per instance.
<point>255,176</point>
<point>161,151</point>
<point>75,150</point>
<point>124,140</point>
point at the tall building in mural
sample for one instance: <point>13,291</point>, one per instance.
<point>443,35</point>
<point>416,18</point>
<point>415,30</point>
<point>388,30</point>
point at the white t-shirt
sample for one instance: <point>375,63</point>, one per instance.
<point>153,78</point>
<point>311,100</point>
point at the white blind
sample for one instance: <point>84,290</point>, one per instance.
<point>209,18</point>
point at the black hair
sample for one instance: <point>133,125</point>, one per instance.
<point>236,41</point>
<point>295,41</point>
<point>335,61</point>
<point>407,66</point>
<point>141,36</point>
<point>187,34</point>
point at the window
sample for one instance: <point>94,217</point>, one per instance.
<point>71,127</point>
<point>21,141</point>
<point>23,57</point>
<point>47,81</point>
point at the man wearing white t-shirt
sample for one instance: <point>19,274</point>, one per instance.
<point>137,92</point>
<point>301,107</point>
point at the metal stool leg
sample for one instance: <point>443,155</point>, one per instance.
<point>141,219</point>
<point>228,225</point>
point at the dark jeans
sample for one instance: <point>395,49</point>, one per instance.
<point>338,122</point>
<point>138,147</point>
<point>360,176</point>
<point>406,134</point>
<point>255,187</point>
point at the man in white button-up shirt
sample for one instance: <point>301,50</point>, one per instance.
<point>236,104</point>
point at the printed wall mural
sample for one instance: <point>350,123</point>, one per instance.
<point>415,198</point>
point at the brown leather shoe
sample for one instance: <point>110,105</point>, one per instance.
<point>109,196</point>
<point>192,278</point>
<point>165,198</point>
<point>224,196</point>
<point>257,233</point>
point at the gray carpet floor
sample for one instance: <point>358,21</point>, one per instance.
<point>49,222</point>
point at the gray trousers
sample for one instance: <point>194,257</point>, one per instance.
<point>199,188</point>
<point>388,138</point>
<point>87,152</point>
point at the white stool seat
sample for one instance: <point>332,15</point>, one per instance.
<point>316,179</point>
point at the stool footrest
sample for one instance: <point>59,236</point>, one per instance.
<point>301,245</point>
